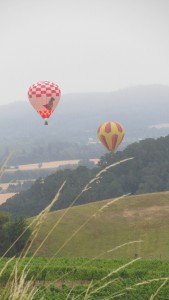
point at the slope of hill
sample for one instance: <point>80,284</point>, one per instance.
<point>140,109</point>
<point>87,232</point>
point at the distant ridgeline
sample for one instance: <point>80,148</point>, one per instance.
<point>72,131</point>
<point>147,172</point>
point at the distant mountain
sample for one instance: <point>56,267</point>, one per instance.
<point>76,119</point>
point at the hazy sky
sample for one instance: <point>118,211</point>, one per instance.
<point>82,45</point>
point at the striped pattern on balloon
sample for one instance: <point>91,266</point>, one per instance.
<point>111,135</point>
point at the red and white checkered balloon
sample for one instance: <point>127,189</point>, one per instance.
<point>44,97</point>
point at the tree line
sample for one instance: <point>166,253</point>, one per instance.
<point>44,152</point>
<point>147,172</point>
<point>12,232</point>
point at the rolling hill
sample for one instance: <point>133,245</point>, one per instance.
<point>86,232</point>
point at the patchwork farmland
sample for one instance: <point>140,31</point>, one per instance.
<point>5,194</point>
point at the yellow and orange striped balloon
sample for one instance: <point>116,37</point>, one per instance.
<point>111,135</point>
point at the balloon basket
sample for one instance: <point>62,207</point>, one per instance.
<point>46,122</point>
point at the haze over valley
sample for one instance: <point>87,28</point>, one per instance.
<point>72,130</point>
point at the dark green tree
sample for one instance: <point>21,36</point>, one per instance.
<point>11,231</point>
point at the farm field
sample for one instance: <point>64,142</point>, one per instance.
<point>46,165</point>
<point>12,170</point>
<point>95,228</point>
<point>73,278</point>
<point>4,197</point>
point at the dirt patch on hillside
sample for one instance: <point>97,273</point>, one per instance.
<point>147,212</point>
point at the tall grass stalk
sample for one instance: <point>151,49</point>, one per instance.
<point>113,297</point>
<point>87,291</point>
<point>37,221</point>
<point>87,186</point>
<point>40,223</point>
<point>17,286</point>
<point>22,289</point>
<point>159,289</point>
<point>121,268</point>
<point>110,274</point>
<point>98,175</point>
<point>6,265</point>
<point>94,258</point>
<point>2,168</point>
<point>83,225</point>
<point>73,234</point>
<point>69,294</point>
<point>106,277</point>
<point>146,282</point>
<point>102,286</point>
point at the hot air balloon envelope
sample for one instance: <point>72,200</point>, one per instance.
<point>44,97</point>
<point>111,135</point>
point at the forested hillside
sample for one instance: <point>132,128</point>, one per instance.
<point>147,172</point>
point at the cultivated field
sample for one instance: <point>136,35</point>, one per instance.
<point>100,279</point>
<point>4,197</point>
<point>47,165</point>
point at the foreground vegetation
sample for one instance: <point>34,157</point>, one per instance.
<point>97,278</point>
<point>10,231</point>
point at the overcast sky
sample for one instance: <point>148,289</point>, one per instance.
<point>82,45</point>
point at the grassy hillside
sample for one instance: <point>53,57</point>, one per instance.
<point>142,217</point>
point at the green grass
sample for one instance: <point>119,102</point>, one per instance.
<point>61,275</point>
<point>140,217</point>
